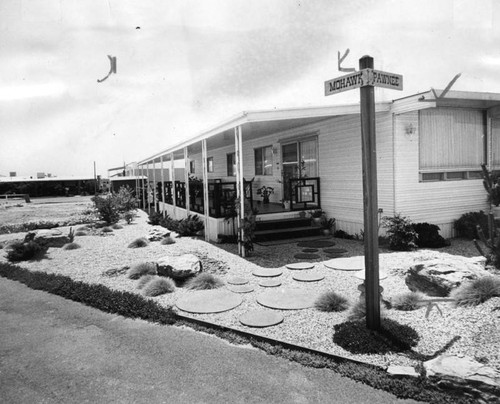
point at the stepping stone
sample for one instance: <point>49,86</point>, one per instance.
<point>302,256</point>
<point>361,275</point>
<point>237,281</point>
<point>270,283</point>
<point>241,288</point>
<point>208,301</point>
<point>308,276</point>
<point>334,250</point>
<point>287,299</point>
<point>300,265</point>
<point>261,318</point>
<point>346,264</point>
<point>334,255</point>
<point>267,272</point>
<point>316,243</point>
<point>310,250</point>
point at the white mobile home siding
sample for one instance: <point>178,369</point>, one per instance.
<point>439,202</point>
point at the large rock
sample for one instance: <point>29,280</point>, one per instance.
<point>474,379</point>
<point>49,238</point>
<point>179,267</point>
<point>438,277</point>
<point>157,233</point>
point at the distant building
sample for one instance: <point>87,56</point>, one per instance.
<point>49,186</point>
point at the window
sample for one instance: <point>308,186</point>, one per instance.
<point>451,143</point>
<point>495,143</point>
<point>191,167</point>
<point>210,164</point>
<point>231,164</point>
<point>264,161</point>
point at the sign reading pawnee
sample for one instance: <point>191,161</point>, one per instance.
<point>362,78</point>
<point>383,79</point>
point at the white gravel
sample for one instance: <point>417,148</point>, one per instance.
<point>478,327</point>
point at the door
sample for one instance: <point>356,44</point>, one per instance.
<point>299,159</point>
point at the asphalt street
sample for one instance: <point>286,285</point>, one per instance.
<point>57,351</point>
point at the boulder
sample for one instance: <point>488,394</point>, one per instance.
<point>49,238</point>
<point>438,277</point>
<point>157,233</point>
<point>179,267</point>
<point>462,373</point>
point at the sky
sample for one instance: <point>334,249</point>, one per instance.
<point>184,66</point>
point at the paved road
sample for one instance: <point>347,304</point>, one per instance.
<point>58,351</point>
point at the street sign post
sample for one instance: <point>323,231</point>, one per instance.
<point>366,79</point>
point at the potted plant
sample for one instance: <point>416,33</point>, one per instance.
<point>316,216</point>
<point>286,203</point>
<point>265,191</point>
<point>328,226</point>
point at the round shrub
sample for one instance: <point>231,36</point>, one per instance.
<point>331,301</point>
<point>158,286</point>
<point>143,280</point>
<point>81,233</point>
<point>107,230</point>
<point>478,291</point>
<point>141,269</point>
<point>204,281</point>
<point>407,301</point>
<point>167,240</point>
<point>138,243</point>
<point>71,246</point>
<point>21,251</point>
<point>117,226</point>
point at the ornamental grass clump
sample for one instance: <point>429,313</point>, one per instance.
<point>141,269</point>
<point>143,280</point>
<point>139,243</point>
<point>107,230</point>
<point>478,291</point>
<point>358,311</point>
<point>407,301</point>
<point>71,246</point>
<point>204,281</point>
<point>331,301</point>
<point>158,286</point>
<point>167,240</point>
<point>117,226</point>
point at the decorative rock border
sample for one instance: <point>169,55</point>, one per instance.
<point>261,318</point>
<point>208,301</point>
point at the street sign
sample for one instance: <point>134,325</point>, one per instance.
<point>347,82</point>
<point>362,78</point>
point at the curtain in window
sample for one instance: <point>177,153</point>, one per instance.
<point>495,142</point>
<point>451,138</point>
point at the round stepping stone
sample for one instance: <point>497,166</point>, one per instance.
<point>237,281</point>
<point>303,256</point>
<point>308,277</point>
<point>316,243</point>
<point>241,288</point>
<point>270,283</point>
<point>346,264</point>
<point>361,275</point>
<point>287,299</point>
<point>310,250</point>
<point>334,250</point>
<point>267,272</point>
<point>300,265</point>
<point>334,255</point>
<point>208,301</point>
<point>261,318</point>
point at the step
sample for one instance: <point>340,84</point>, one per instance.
<point>302,231</point>
<point>282,223</point>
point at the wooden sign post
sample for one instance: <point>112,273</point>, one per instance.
<point>365,79</point>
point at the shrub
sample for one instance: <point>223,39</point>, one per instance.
<point>71,246</point>
<point>428,236</point>
<point>400,232</point>
<point>190,226</point>
<point>143,280</point>
<point>24,251</point>
<point>141,269</point>
<point>107,230</point>
<point>158,286</point>
<point>343,234</point>
<point>71,235</point>
<point>331,301</point>
<point>129,216</point>
<point>110,206</point>
<point>81,233</point>
<point>167,240</point>
<point>25,227</point>
<point>204,281</point>
<point>117,226</point>
<point>125,199</point>
<point>138,243</point>
<point>465,226</point>
<point>407,301</point>
<point>155,218</point>
<point>478,291</point>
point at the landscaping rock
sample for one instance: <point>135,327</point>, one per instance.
<point>179,267</point>
<point>157,233</point>
<point>49,238</point>
<point>463,373</point>
<point>402,371</point>
<point>438,277</point>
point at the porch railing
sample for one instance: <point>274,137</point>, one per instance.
<point>305,193</point>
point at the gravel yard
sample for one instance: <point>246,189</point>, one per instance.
<point>478,328</point>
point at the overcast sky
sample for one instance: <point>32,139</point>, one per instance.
<point>186,65</point>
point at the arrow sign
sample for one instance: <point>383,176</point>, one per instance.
<point>365,77</point>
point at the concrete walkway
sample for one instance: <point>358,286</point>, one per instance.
<point>57,351</point>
